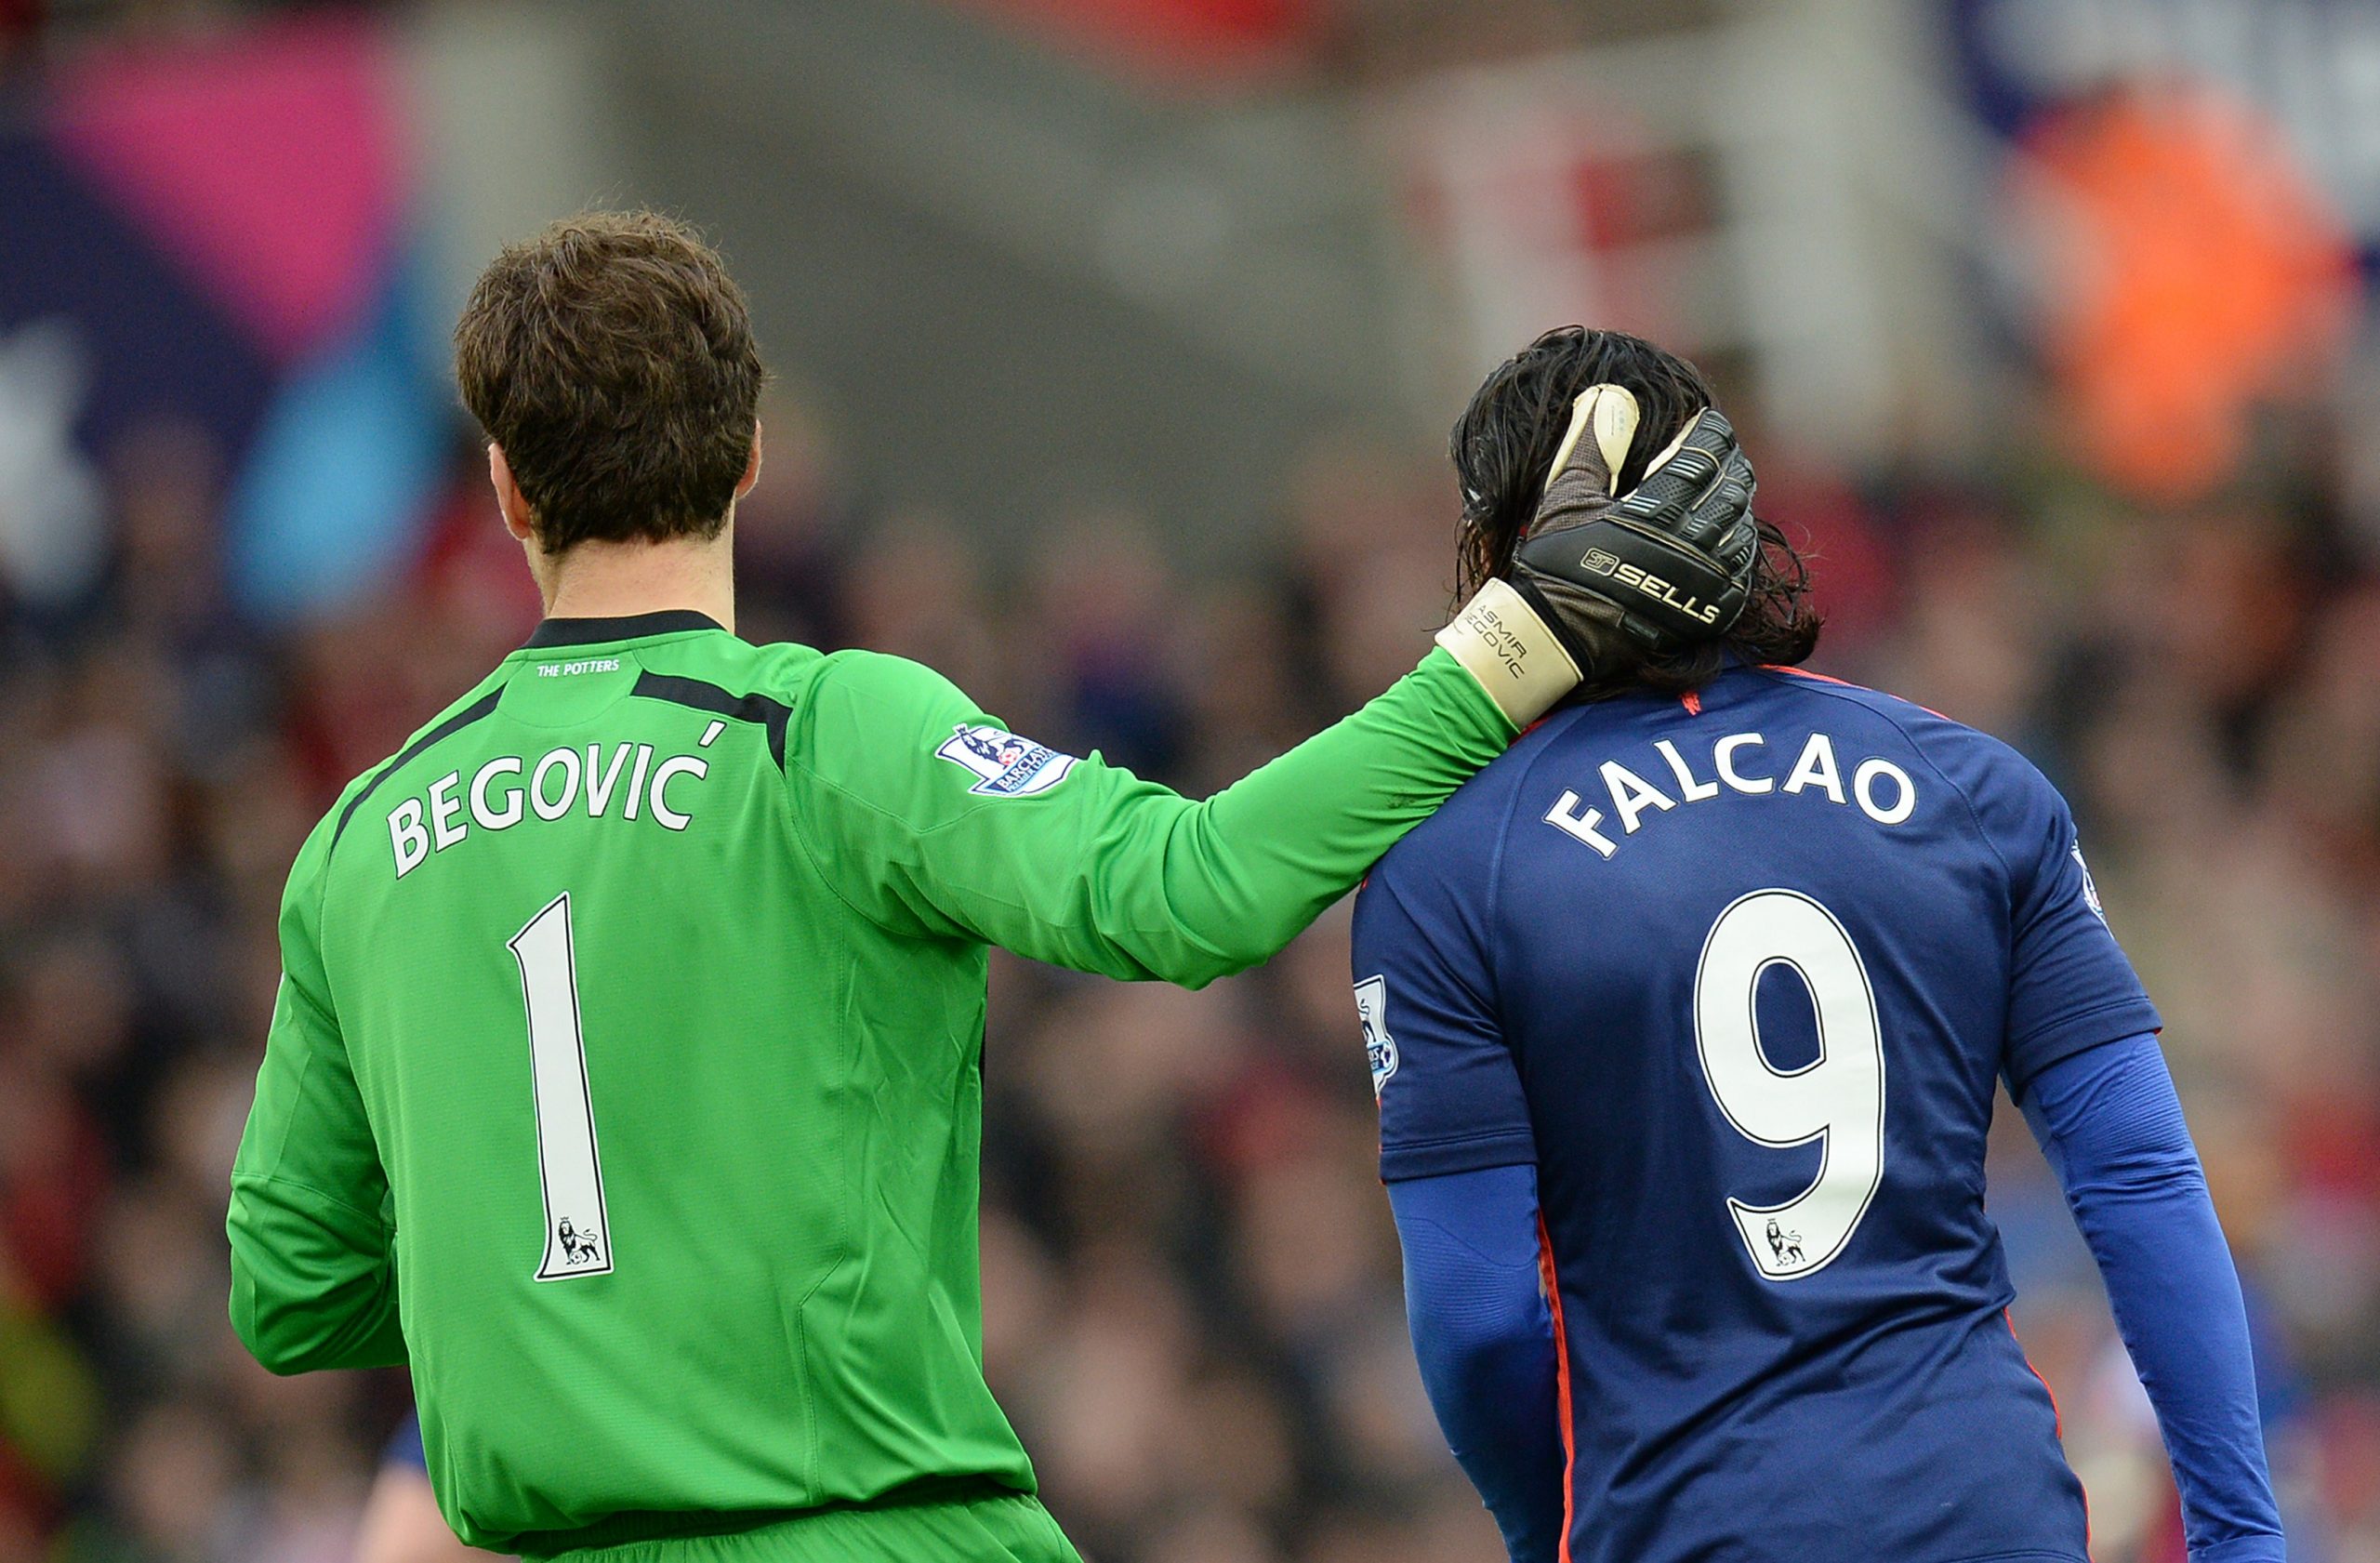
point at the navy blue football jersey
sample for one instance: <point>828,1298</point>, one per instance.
<point>1737,974</point>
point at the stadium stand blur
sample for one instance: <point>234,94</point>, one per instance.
<point>1098,325</point>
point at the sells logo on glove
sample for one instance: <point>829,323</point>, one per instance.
<point>1600,563</point>
<point>1007,766</point>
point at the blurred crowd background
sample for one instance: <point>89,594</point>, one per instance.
<point>1115,342</point>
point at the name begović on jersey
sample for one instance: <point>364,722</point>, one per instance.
<point>509,789</point>
<point>1879,789</point>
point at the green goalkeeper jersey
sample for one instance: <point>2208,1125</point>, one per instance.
<point>625,1078</point>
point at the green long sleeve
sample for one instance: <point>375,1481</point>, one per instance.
<point>926,833</point>
<point>314,1273</point>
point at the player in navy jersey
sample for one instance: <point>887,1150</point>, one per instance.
<point>1687,1013</point>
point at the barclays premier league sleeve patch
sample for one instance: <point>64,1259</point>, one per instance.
<point>2090,886</point>
<point>1005,765</point>
<point>1371,1009</point>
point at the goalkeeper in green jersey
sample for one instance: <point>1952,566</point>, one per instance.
<point>624,1078</point>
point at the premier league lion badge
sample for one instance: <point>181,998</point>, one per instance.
<point>1380,1048</point>
<point>1004,765</point>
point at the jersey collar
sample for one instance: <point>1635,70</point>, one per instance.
<point>635,627</point>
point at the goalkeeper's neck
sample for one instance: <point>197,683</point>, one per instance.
<point>607,578</point>
<point>621,580</point>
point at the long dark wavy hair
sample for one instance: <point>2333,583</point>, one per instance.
<point>1503,444</point>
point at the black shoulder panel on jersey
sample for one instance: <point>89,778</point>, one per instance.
<point>446,729</point>
<point>770,713</point>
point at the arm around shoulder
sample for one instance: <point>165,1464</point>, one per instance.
<point>932,819</point>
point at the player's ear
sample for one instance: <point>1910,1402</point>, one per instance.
<point>751,467</point>
<point>509,497</point>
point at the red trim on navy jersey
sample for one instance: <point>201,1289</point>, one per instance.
<point>2057,1419</point>
<point>1830,678</point>
<point>1806,673</point>
<point>1561,1380</point>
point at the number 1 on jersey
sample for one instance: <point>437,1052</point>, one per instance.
<point>1837,1099</point>
<point>578,1235</point>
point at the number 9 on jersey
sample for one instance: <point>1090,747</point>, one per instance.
<point>1837,1099</point>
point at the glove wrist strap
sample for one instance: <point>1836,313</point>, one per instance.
<point>1502,642</point>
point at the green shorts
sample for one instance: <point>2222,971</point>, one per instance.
<point>1011,1527</point>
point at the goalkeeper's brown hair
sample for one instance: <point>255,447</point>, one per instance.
<point>612,357</point>
<point>1503,447</point>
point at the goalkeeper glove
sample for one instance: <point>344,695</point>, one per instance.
<point>1667,564</point>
